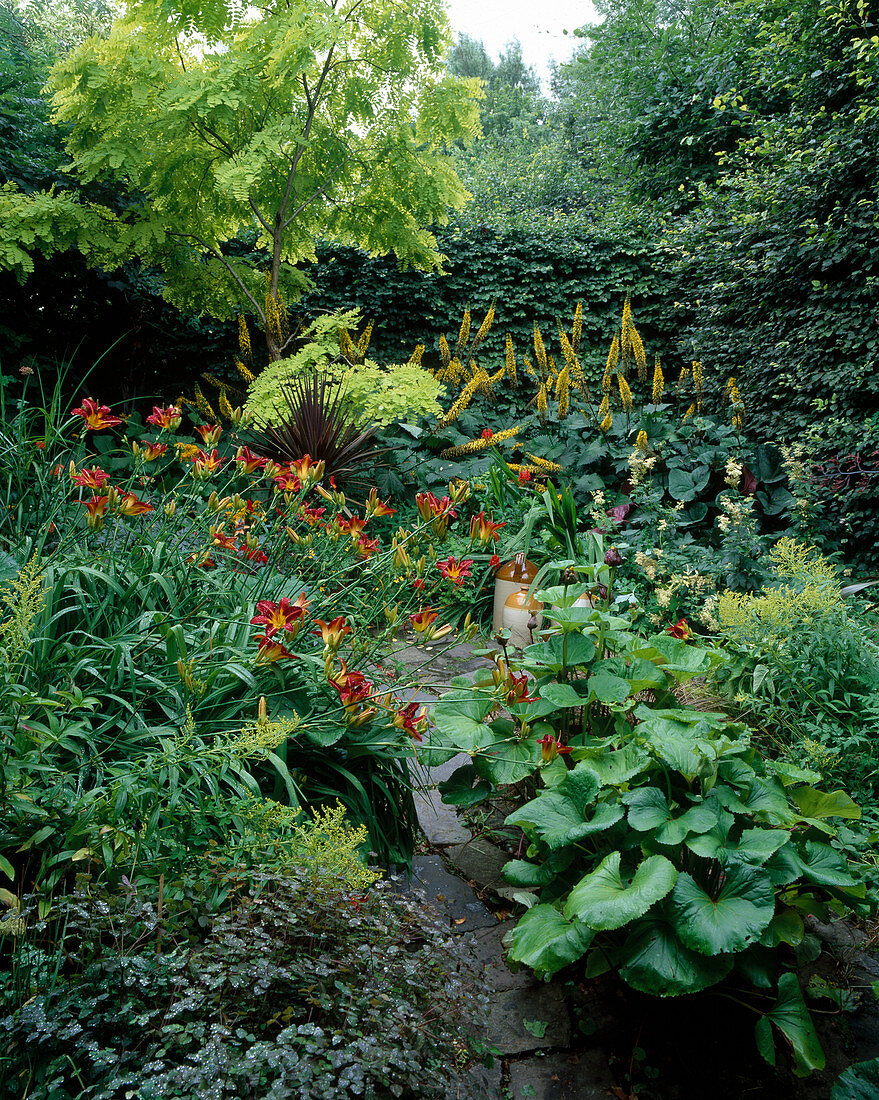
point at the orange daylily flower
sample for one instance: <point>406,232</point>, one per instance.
<point>353,526</point>
<point>96,416</point>
<point>249,461</point>
<point>550,748</point>
<point>270,650</point>
<point>204,464</point>
<point>210,433</point>
<point>376,507</point>
<point>130,505</point>
<point>681,629</point>
<point>308,472</point>
<point>283,615</point>
<point>95,509</point>
<point>332,632</point>
<point>484,530</point>
<point>311,516</point>
<point>412,720</point>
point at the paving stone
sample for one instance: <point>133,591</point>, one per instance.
<point>583,1076</point>
<point>540,1006</point>
<point>483,1083</point>
<point>488,949</point>
<point>452,897</point>
<point>482,861</point>
<point>443,771</point>
<point>439,822</point>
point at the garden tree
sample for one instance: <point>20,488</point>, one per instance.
<point>242,136</point>
<point>637,99</point>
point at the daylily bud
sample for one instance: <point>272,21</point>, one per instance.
<point>170,508</point>
<point>262,710</point>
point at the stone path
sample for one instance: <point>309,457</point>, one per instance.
<point>530,1023</point>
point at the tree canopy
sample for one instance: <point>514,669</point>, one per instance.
<point>239,137</point>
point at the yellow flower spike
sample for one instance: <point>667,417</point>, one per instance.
<point>474,446</point>
<point>445,353</point>
<point>539,349</point>
<point>544,465</point>
<point>658,382</point>
<point>541,402</point>
<point>577,328</point>
<point>562,391</point>
<point>224,405</point>
<point>607,423</point>
<point>641,441</point>
<point>604,407</point>
<point>688,415</point>
<point>363,342</point>
<point>485,327</point>
<point>510,362</point>
<point>639,353</point>
<point>346,346</point>
<point>682,377</point>
<point>625,393</point>
<point>698,382</point>
<point>613,358</point>
<point>463,332</point>
<point>244,344</point>
<point>202,404</point>
<point>415,357</point>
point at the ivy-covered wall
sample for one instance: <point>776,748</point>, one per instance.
<point>533,276</point>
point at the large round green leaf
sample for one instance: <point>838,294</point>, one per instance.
<point>655,961</point>
<point>546,942</point>
<point>604,901</point>
<point>858,1082</point>
<point>729,922</point>
<point>558,817</point>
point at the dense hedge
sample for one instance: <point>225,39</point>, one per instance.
<point>534,275</point>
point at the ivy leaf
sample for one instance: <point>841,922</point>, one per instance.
<point>729,922</point>
<point>544,940</point>
<point>605,902</point>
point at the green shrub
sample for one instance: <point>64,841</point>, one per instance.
<point>802,669</point>
<point>296,991</point>
<point>660,842</point>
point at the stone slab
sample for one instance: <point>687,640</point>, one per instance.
<point>534,1017</point>
<point>582,1076</point>
<point>453,899</point>
<point>482,862</point>
<point>439,822</point>
<point>488,950</point>
<point>441,772</point>
<point>483,1083</point>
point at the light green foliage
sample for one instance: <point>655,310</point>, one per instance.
<point>281,124</point>
<point>386,395</point>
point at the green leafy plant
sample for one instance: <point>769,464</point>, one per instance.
<point>660,843</point>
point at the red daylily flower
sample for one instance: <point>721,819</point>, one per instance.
<point>454,570</point>
<point>680,629</point>
<point>152,451</point>
<point>550,748</point>
<point>283,615</point>
<point>167,418</point>
<point>95,478</point>
<point>311,516</point>
<point>494,562</point>
<point>253,553</point>
<point>515,689</point>
<point>96,416</point>
<point>412,720</point>
<point>366,547</point>
<point>524,477</point>
<point>487,433</point>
